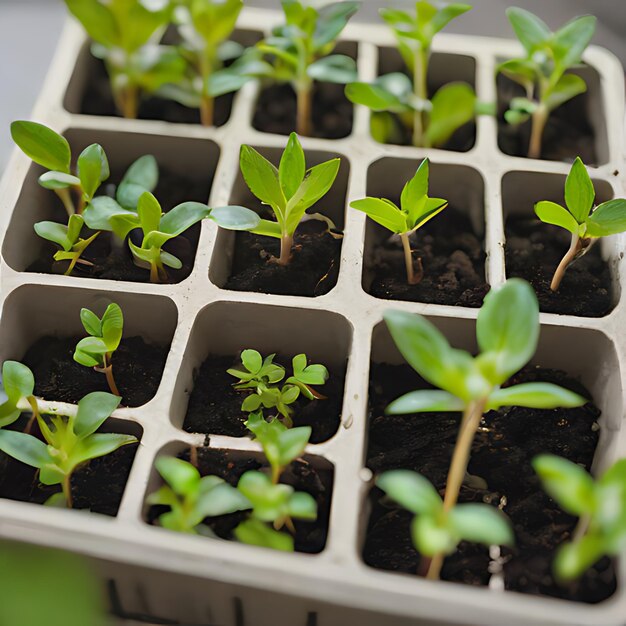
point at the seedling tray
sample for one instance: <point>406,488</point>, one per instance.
<point>213,582</point>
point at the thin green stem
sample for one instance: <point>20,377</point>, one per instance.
<point>66,198</point>
<point>420,90</point>
<point>574,249</point>
<point>67,490</point>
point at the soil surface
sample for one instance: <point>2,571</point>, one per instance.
<point>313,269</point>
<point>501,474</point>
<point>310,537</point>
<point>534,251</point>
<point>568,133</point>
<point>215,406</point>
<point>453,261</point>
<point>97,486</point>
<point>137,368</point>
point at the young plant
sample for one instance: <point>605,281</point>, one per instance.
<point>397,99</point>
<point>507,331</point>
<point>416,208</point>
<point>191,498</point>
<point>69,442</point>
<point>18,384</point>
<point>104,338</point>
<point>542,70</point>
<point>600,506</point>
<point>289,190</point>
<point>126,35</point>
<point>585,226</point>
<point>52,151</point>
<point>435,530</point>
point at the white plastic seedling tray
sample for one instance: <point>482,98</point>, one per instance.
<point>220,583</point>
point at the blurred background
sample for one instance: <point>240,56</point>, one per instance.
<point>29,30</point>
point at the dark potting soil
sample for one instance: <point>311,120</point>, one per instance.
<point>452,258</point>
<point>534,251</point>
<point>501,475</point>
<point>215,406</point>
<point>97,486</point>
<point>137,368</point>
<point>310,537</point>
<point>116,262</point>
<point>313,269</point>
<point>568,133</point>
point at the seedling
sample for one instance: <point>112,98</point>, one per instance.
<point>397,99</point>
<point>507,331</point>
<point>585,226</point>
<point>437,531</point>
<point>126,35</point>
<point>416,208</point>
<point>69,442</point>
<point>52,151</point>
<point>104,338</point>
<point>289,190</point>
<point>18,384</point>
<point>542,71</point>
<point>600,506</point>
<point>191,498</point>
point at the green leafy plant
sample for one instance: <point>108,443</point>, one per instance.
<point>289,190</point>
<point>435,530</point>
<point>104,338</point>
<point>52,151</point>
<point>192,498</point>
<point>18,384</point>
<point>126,35</point>
<point>600,506</point>
<point>585,225</point>
<point>69,442</point>
<point>415,209</point>
<point>542,71</point>
<point>507,331</point>
<point>396,99</point>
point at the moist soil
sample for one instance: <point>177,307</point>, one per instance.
<point>310,537</point>
<point>97,486</point>
<point>313,269</point>
<point>500,474</point>
<point>568,133</point>
<point>534,251</point>
<point>452,259</point>
<point>137,368</point>
<point>112,261</point>
<point>215,406</point>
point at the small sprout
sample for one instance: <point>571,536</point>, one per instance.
<point>257,371</point>
<point>304,376</point>
<point>126,35</point>
<point>397,99</point>
<point>507,331</point>
<point>289,190</point>
<point>69,442</point>
<point>542,71</point>
<point>437,532</point>
<point>585,226</point>
<point>416,208</point>
<point>52,151</point>
<point>275,504</point>
<point>104,338</point>
<point>600,506</point>
<point>18,384</point>
<point>191,498</point>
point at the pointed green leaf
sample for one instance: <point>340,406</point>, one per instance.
<point>609,218</point>
<point>17,381</point>
<point>180,475</point>
<point>91,322</point>
<point>331,20</point>
<point>481,523</point>
<point>447,13</point>
<point>25,448</point>
<point>529,29</point>
<point>567,87</point>
<point>292,444</point>
<point>255,533</point>
<point>378,96</point>
<point>536,396</point>
<point>452,106</point>
<point>97,20</point>
<point>112,326</point>
<point>416,189</point>
<point>100,444</point>
<point>570,41</point>
<point>182,217</point>
<point>425,401</point>
<point>335,68</point>
<point>382,212</point>
<point>57,233</point>
<point>411,490</point>
<point>43,145</point>
<point>149,211</point>
<point>222,499</point>
<point>93,169</point>
<point>292,167</point>
<point>302,506</point>
<point>90,352</point>
<point>552,213</point>
<point>574,559</point>
<point>262,178</point>
<point>93,410</point>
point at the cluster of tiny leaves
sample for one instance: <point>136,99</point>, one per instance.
<point>104,338</point>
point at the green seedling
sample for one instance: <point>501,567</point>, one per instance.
<point>104,338</point>
<point>191,498</point>
<point>600,506</point>
<point>289,190</point>
<point>585,226</point>
<point>416,208</point>
<point>18,384</point>
<point>507,331</point>
<point>542,71</point>
<point>396,99</point>
<point>52,151</point>
<point>69,442</point>
<point>126,35</point>
<point>435,530</point>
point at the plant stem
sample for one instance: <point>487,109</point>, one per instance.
<point>66,199</point>
<point>193,456</point>
<point>207,107</point>
<point>276,472</point>
<point>570,256</point>
<point>411,276</point>
<point>108,371</point>
<point>304,94</point>
<point>286,242</point>
<point>581,528</point>
<point>434,567</point>
<point>67,490</point>
<point>538,124</point>
<point>35,409</point>
<point>420,89</point>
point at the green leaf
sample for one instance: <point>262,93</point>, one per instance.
<point>481,523</point>
<point>90,352</point>
<point>57,180</point>
<point>335,68</point>
<point>430,537</point>
<point>25,448</point>
<point>383,212</point>
<point>57,233</point>
<point>411,490</point>
<point>181,476</point>
<point>567,87</point>
<point>93,410</point>
<point>141,176</point>
<point>149,211</point>
<point>446,14</point>
<point>221,499</point>
<point>93,169</point>
<point>182,217</point>
<point>415,189</point>
<point>262,178</point>
<point>292,167</point>
<point>609,218</point>
<point>552,213</point>
<point>522,71</point>
<point>255,533</point>
<point>252,361</point>
<point>425,401</point>
<point>314,374</point>
<point>514,118</point>
<point>529,29</point>
<point>100,210</point>
<point>388,95</point>
<point>97,20</point>
<point>452,106</point>
<point>234,217</point>
<point>292,443</point>
<point>570,41</point>
<point>536,396</point>
<point>100,444</point>
<point>574,559</point>
<point>331,20</point>
<point>112,326</point>
<point>17,381</point>
<point>91,322</point>
<point>302,505</point>
<point>43,145</point>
